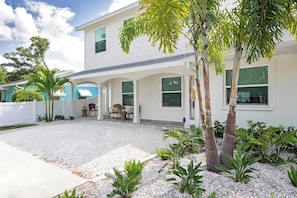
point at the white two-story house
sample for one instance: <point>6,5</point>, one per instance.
<point>162,86</point>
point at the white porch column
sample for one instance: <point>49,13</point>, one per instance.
<point>187,101</point>
<point>136,118</point>
<point>99,103</point>
<point>72,111</point>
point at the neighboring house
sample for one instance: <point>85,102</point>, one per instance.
<point>84,91</point>
<point>162,86</point>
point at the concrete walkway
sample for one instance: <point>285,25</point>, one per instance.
<point>22,175</point>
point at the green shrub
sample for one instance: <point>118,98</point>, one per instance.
<point>71,117</point>
<point>190,140</point>
<point>125,184</point>
<point>175,153</point>
<point>189,181</point>
<point>164,153</point>
<point>72,195</point>
<point>266,142</point>
<point>239,166</point>
<point>219,128</point>
<point>292,173</point>
<point>59,117</point>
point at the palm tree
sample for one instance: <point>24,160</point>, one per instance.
<point>164,21</point>
<point>253,27</point>
<point>47,82</point>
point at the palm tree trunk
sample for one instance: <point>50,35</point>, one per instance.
<point>52,112</point>
<point>198,88</point>
<point>212,157</point>
<point>228,145</point>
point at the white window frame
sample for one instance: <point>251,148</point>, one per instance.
<point>95,41</point>
<point>180,91</point>
<point>127,92</point>
<point>251,106</point>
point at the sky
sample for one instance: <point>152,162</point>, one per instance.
<point>55,20</point>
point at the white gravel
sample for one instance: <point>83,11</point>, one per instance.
<point>90,149</point>
<point>267,181</point>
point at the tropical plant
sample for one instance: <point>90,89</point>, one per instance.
<point>292,173</point>
<point>239,166</point>
<point>190,140</point>
<point>22,94</point>
<point>59,117</point>
<point>188,180</point>
<point>164,22</point>
<point>175,153</point>
<point>266,142</point>
<point>219,128</point>
<point>255,28</point>
<point>125,184</point>
<point>163,153</point>
<point>47,82</point>
<point>72,195</point>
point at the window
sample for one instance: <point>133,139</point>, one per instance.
<point>127,92</point>
<point>171,92</point>
<point>100,40</point>
<point>252,86</point>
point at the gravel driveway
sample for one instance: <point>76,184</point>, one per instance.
<point>70,144</point>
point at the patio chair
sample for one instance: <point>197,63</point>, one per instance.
<point>115,111</point>
<point>93,108</point>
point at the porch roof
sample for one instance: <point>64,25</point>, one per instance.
<point>134,64</point>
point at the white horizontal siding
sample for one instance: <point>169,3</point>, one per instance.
<point>150,99</point>
<point>282,84</point>
<point>140,49</point>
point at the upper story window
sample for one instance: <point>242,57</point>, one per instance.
<point>127,92</point>
<point>171,92</point>
<point>252,86</point>
<point>100,40</point>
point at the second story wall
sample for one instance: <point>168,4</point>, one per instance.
<point>140,49</point>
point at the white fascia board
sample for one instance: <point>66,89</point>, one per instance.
<point>130,70</point>
<point>104,17</point>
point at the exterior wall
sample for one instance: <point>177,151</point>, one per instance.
<point>282,107</point>
<point>150,99</point>
<point>140,49</point>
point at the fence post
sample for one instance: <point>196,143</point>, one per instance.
<point>34,111</point>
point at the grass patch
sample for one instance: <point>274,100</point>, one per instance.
<point>4,128</point>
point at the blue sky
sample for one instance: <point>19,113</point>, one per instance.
<point>55,20</point>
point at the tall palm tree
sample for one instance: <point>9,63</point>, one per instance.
<point>163,22</point>
<point>253,27</point>
<point>47,82</point>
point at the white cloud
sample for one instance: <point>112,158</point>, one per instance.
<point>117,4</point>
<point>6,17</point>
<point>53,23</point>
<point>24,23</point>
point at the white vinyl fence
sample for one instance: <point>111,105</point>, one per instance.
<point>12,113</point>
